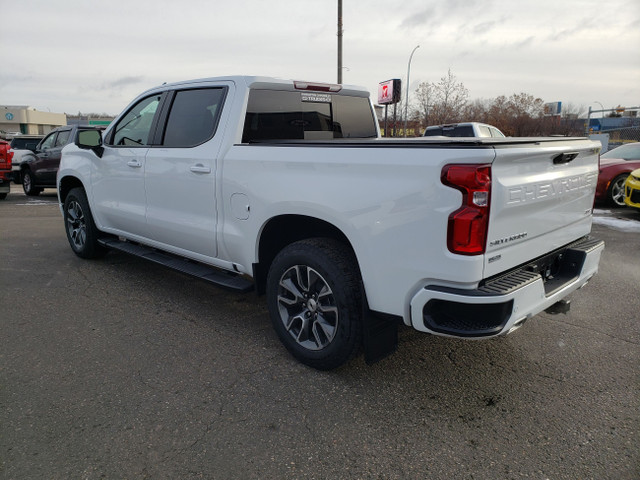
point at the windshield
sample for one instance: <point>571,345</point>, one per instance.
<point>626,152</point>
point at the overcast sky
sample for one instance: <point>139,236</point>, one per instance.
<point>95,56</point>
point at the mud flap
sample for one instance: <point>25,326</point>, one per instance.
<point>380,336</point>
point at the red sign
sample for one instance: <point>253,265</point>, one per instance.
<point>389,91</point>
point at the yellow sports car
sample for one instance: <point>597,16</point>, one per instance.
<point>632,189</point>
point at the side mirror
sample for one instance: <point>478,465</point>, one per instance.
<point>90,140</point>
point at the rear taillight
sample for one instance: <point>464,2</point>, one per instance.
<point>468,226</point>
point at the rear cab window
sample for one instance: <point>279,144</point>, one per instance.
<point>304,115</point>
<point>24,143</point>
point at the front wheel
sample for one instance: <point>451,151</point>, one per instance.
<point>28,184</point>
<point>81,230</point>
<point>616,191</point>
<point>315,304</point>
<point>3,196</point>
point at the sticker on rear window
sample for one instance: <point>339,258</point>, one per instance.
<point>316,97</point>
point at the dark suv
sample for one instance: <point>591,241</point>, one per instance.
<point>38,171</point>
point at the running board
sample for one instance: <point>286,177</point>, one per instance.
<point>209,274</point>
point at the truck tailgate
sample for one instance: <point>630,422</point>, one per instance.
<point>541,199</point>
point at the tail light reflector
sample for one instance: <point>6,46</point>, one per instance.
<point>468,226</point>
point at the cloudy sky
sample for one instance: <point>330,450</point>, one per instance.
<point>95,56</point>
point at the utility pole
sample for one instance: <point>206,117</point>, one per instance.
<point>339,41</point>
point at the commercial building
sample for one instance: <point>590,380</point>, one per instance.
<point>27,120</point>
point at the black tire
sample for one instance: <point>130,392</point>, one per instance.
<point>3,196</point>
<point>81,230</point>
<point>315,304</point>
<point>615,194</point>
<point>28,184</point>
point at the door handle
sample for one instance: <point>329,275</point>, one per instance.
<point>199,168</point>
<point>134,163</point>
<point>564,158</point>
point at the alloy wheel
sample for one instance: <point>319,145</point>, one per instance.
<point>76,224</point>
<point>307,307</point>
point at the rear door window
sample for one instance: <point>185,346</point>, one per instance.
<point>193,117</point>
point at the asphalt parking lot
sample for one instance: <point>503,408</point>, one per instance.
<point>117,369</point>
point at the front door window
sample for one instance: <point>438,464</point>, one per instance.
<point>134,129</point>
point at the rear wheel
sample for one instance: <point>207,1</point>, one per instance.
<point>313,294</point>
<point>28,184</point>
<point>616,191</point>
<point>81,230</point>
<point>3,196</point>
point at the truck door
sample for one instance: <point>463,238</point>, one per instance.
<point>51,160</point>
<point>180,174</point>
<point>118,176</point>
<point>42,153</point>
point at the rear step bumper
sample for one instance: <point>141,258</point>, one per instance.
<point>502,304</point>
<point>195,269</point>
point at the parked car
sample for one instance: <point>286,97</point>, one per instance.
<point>467,129</point>
<point>23,147</point>
<point>632,189</point>
<point>615,167</point>
<point>6,155</point>
<point>38,171</point>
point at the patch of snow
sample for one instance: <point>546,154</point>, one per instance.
<point>618,224</point>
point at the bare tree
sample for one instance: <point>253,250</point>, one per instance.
<point>425,97</point>
<point>451,97</point>
<point>442,102</point>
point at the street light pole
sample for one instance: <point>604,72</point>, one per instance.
<point>339,41</point>
<point>601,106</point>
<point>406,105</point>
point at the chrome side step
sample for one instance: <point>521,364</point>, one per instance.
<point>204,272</point>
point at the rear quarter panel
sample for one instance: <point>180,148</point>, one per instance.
<point>388,201</point>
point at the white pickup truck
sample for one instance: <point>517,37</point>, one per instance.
<point>286,188</point>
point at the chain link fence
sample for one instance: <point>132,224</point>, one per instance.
<point>614,127</point>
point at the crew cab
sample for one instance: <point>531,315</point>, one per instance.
<point>286,188</point>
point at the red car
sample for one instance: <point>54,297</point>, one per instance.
<point>615,166</point>
<point>6,155</point>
